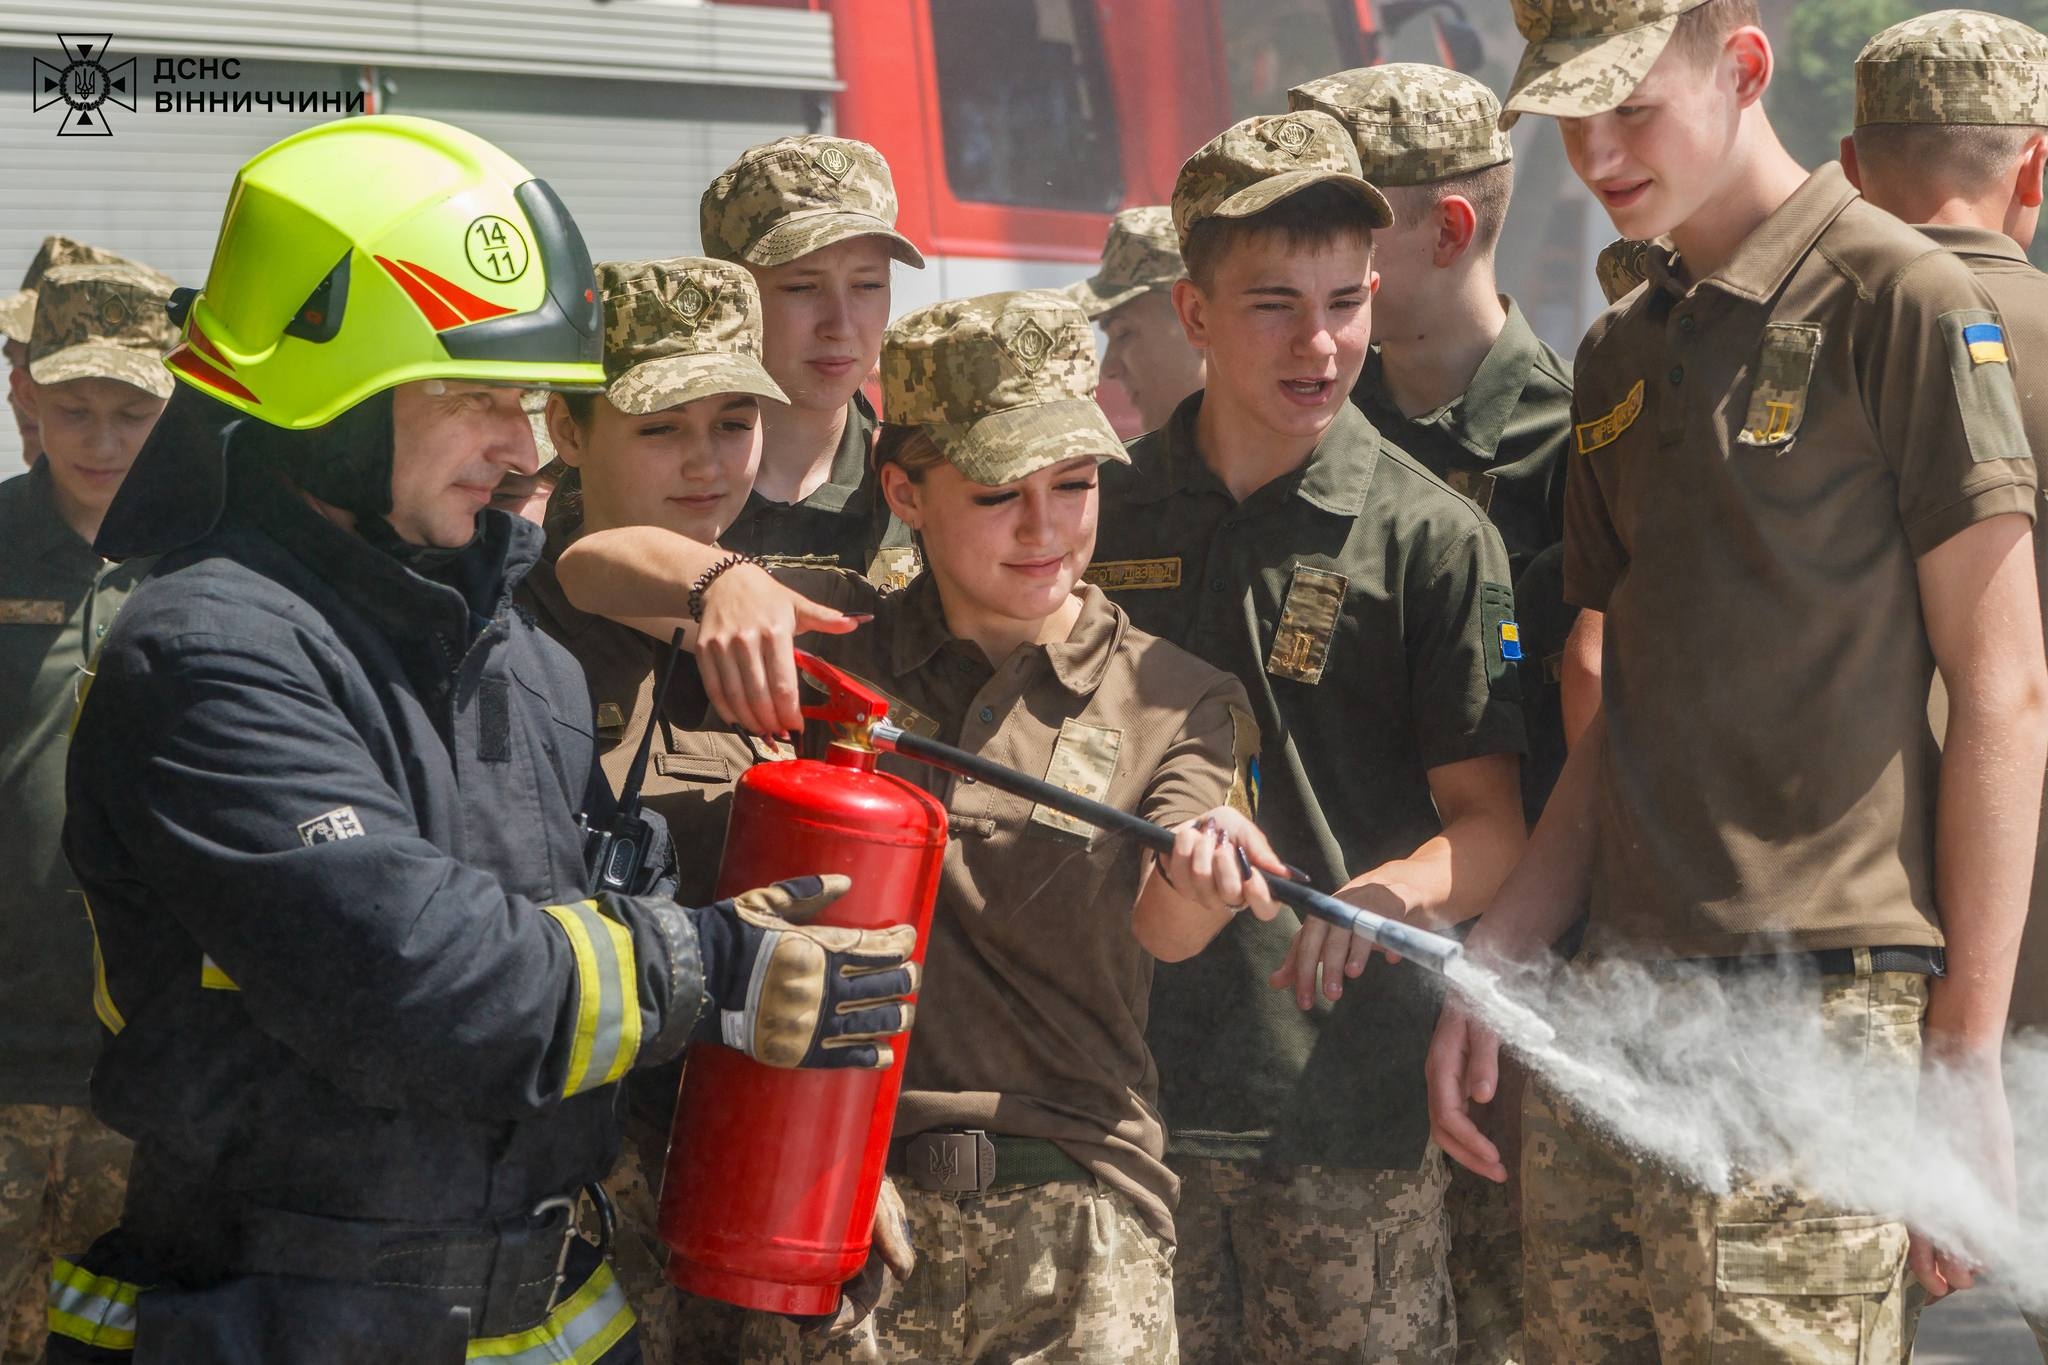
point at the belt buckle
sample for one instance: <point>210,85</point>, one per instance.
<point>951,1163</point>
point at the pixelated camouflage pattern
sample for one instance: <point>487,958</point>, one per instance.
<point>62,1177</point>
<point>534,403</point>
<point>1414,123</point>
<point>1308,1265</point>
<point>1621,265</point>
<point>1954,66</point>
<point>1255,164</point>
<point>1485,1226</point>
<point>1586,56</point>
<point>679,330</point>
<point>1140,255</point>
<point>97,321</point>
<point>787,198</point>
<point>18,310</point>
<point>1627,1261</point>
<point>674,1326</point>
<point>1777,388</point>
<point>1004,383</point>
<point>1065,1273</point>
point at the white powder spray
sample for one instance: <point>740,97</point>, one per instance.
<point>1718,1076</point>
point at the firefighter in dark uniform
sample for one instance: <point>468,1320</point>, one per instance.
<point>365,1009</point>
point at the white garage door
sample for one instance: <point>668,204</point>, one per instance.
<point>630,159</point>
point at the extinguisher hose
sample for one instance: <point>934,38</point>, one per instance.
<point>1433,951</point>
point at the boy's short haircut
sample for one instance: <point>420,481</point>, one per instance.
<point>1956,156</point>
<point>1309,220</point>
<point>1703,30</point>
<point>1488,191</point>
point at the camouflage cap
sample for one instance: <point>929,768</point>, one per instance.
<point>1140,255</point>
<point>1253,165</point>
<point>1004,383</point>
<point>1413,123</point>
<point>1621,265</point>
<point>18,310</point>
<point>679,330</point>
<point>534,403</point>
<point>1587,56</point>
<point>787,198</point>
<point>1954,66</point>
<point>98,321</point>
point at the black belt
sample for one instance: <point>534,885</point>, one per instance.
<point>1911,958</point>
<point>972,1161</point>
<point>508,1274</point>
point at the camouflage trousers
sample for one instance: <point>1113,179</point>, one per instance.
<point>1060,1274</point>
<point>1307,1264</point>
<point>62,1175</point>
<point>1625,1262</point>
<point>674,1326</point>
<point>1485,1223</point>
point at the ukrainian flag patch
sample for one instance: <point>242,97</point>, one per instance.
<point>1510,640</point>
<point>1986,343</point>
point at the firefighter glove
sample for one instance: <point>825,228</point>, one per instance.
<point>790,993</point>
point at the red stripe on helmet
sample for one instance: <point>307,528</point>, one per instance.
<point>440,316</point>
<point>183,360</point>
<point>200,340</point>
<point>466,303</point>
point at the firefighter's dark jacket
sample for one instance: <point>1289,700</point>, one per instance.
<point>323,810</point>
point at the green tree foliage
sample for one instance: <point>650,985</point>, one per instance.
<point>1813,100</point>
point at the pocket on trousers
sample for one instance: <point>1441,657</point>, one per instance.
<point>1413,1315</point>
<point>1815,1289</point>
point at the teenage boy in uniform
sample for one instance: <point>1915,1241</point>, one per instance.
<point>17,324</point>
<point>1952,135</point>
<point>95,378</point>
<point>1457,379</point>
<point>1269,529</point>
<point>1800,485</point>
<point>1131,299</point>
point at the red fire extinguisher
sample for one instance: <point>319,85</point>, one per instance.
<point>772,1175</point>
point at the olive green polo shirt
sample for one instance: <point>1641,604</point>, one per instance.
<point>1501,443</point>
<point>1761,458</point>
<point>57,599</point>
<point>2020,293</point>
<point>1363,605</point>
<point>842,523</point>
<point>1031,1019</point>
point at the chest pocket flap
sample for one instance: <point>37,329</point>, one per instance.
<point>1083,762</point>
<point>1778,385</point>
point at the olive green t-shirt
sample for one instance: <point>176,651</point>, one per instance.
<point>1761,458</point>
<point>57,600</point>
<point>2020,293</point>
<point>1363,605</point>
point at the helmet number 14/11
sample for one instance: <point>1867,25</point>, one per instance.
<point>497,249</point>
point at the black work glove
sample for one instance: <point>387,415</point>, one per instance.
<point>792,994</point>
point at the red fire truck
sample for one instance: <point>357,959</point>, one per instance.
<point>1015,128</point>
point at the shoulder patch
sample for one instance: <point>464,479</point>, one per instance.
<point>1981,371</point>
<point>338,824</point>
<point>1606,430</point>
<point>1131,575</point>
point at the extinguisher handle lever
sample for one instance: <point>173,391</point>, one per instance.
<point>848,700</point>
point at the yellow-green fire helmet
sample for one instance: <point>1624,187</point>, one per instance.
<point>370,252</point>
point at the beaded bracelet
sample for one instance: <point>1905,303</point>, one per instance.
<point>710,576</point>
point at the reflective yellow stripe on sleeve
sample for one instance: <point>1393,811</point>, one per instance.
<point>95,1310</point>
<point>102,999</point>
<point>607,996</point>
<point>589,1322</point>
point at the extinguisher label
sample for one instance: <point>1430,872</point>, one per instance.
<point>1084,762</point>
